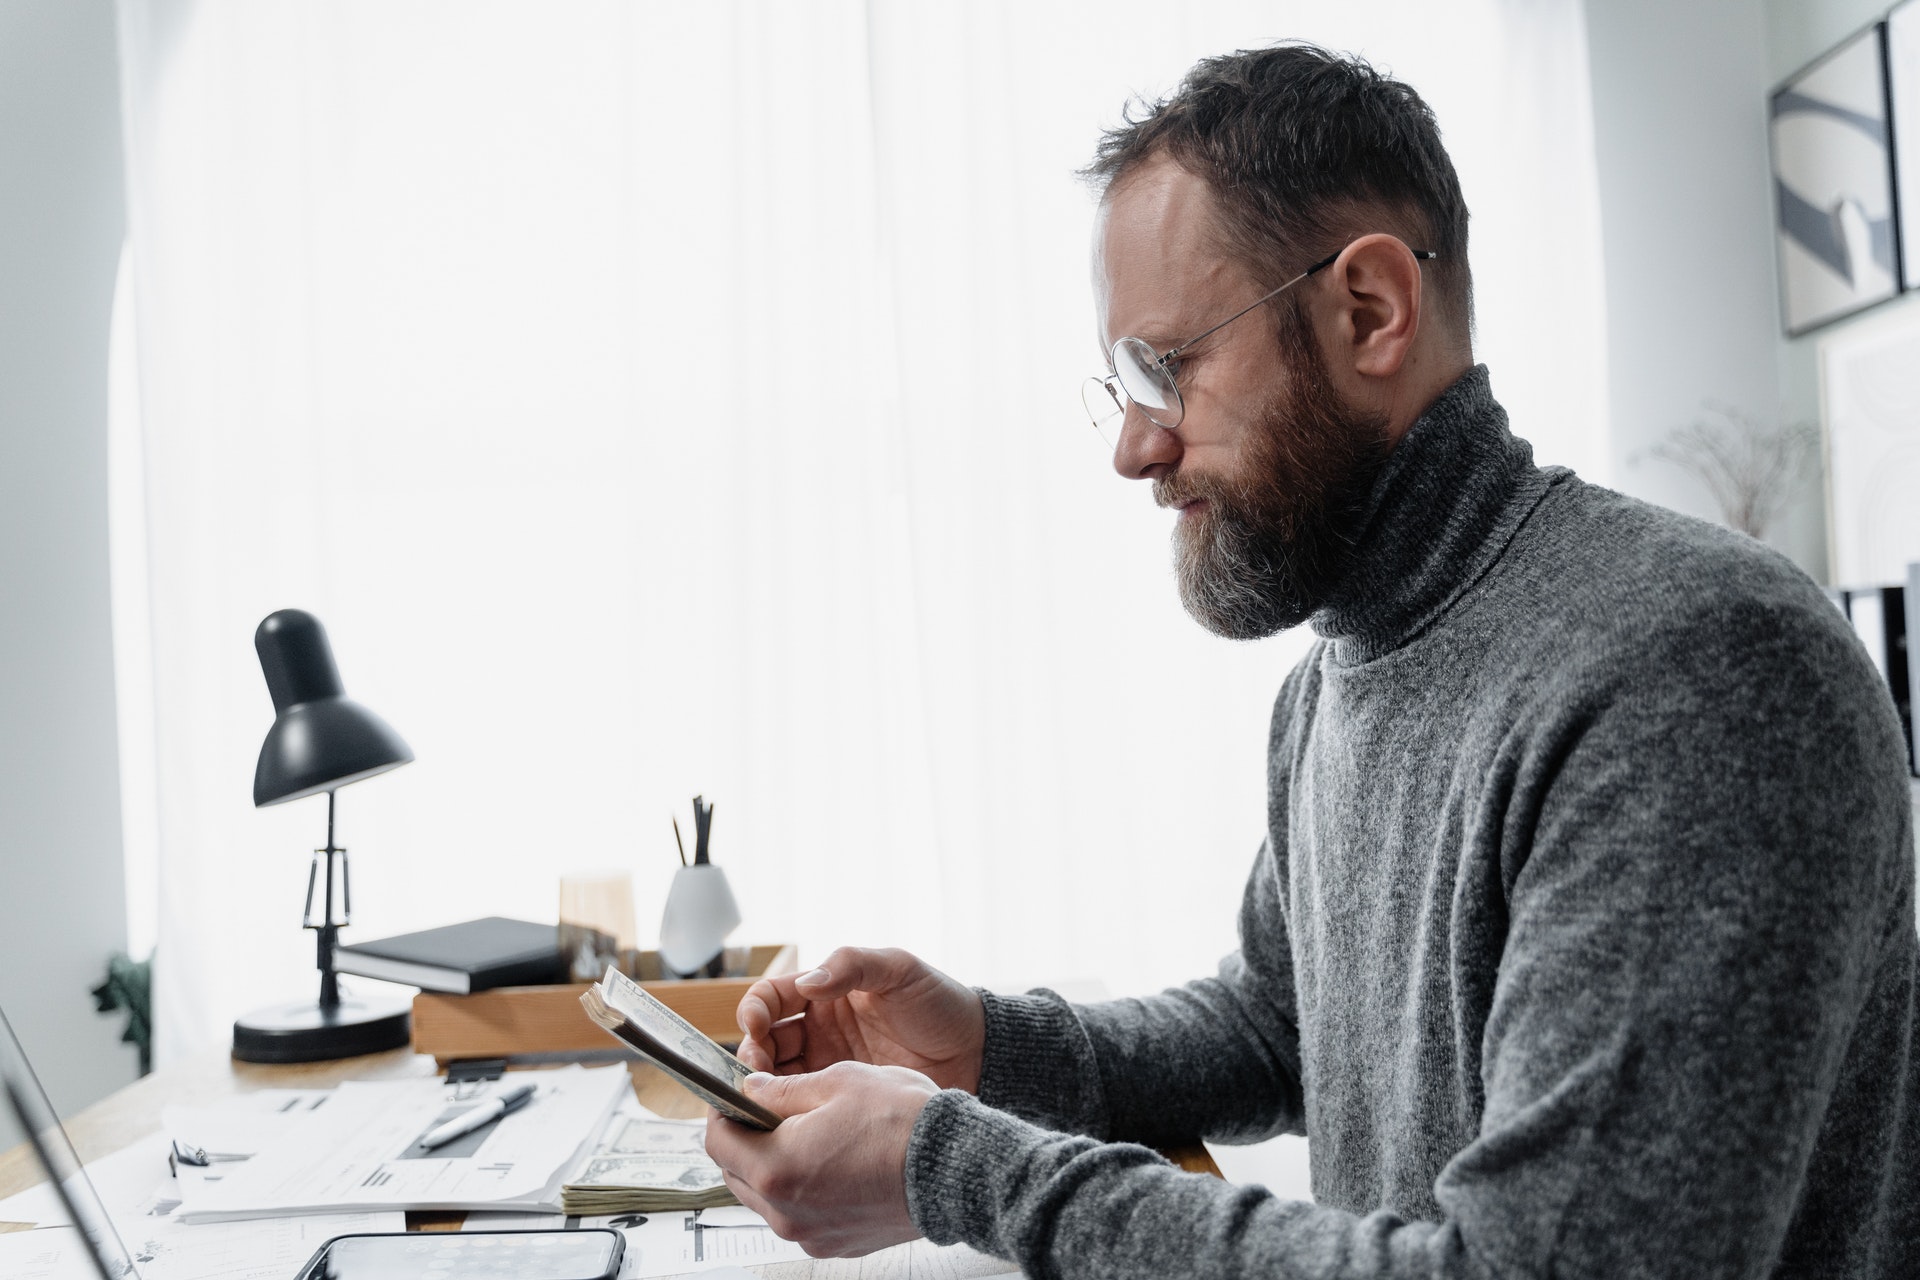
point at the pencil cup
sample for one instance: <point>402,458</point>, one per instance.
<point>700,914</point>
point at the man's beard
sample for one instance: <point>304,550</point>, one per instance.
<point>1272,542</point>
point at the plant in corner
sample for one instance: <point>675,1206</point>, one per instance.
<point>129,986</point>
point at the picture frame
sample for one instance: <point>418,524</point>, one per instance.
<point>1836,229</point>
<point>1903,101</point>
<point>1869,405</point>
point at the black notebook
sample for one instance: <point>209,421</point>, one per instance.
<point>462,958</point>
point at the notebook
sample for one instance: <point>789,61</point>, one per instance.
<point>476,955</point>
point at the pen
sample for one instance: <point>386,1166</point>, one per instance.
<point>486,1113</point>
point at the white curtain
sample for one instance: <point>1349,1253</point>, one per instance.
<point>661,398</point>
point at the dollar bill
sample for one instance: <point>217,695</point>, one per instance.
<point>639,1200</point>
<point>647,1165</point>
<point>634,1134</point>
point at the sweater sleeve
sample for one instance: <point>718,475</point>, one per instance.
<point>1711,897</point>
<point>1218,1058</point>
<point>1069,1206</point>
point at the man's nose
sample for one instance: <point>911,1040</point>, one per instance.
<point>1145,447</point>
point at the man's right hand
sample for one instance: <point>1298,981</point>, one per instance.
<point>888,1008</point>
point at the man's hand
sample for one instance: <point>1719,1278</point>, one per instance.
<point>833,1176</point>
<point>887,1008</point>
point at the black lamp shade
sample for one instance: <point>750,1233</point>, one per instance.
<point>320,739</point>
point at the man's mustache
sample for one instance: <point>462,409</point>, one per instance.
<point>1176,490</point>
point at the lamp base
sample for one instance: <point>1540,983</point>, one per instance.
<point>304,1032</point>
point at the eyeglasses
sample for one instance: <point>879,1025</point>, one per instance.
<point>1144,377</point>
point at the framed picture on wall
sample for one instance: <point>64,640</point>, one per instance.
<point>1903,91</point>
<point>1870,413</point>
<point>1835,230</point>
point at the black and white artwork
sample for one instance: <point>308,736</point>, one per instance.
<point>1903,74</point>
<point>1833,186</point>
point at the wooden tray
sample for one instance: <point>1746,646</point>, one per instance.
<point>512,1022</point>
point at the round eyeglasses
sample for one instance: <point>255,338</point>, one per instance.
<point>1145,377</point>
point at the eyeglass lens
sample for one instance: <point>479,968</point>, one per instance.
<point>1147,382</point>
<point>1105,407</point>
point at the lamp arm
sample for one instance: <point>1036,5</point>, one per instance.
<point>329,929</point>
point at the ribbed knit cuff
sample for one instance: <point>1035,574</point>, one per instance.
<point>960,1152</point>
<point>1039,1064</point>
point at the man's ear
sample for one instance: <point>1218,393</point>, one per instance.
<point>1378,288</point>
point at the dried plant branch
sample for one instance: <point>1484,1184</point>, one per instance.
<point>1750,469</point>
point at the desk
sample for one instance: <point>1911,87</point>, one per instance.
<point>132,1113</point>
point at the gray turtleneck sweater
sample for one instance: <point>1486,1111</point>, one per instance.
<point>1581,943</point>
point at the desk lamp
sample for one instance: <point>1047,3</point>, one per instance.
<point>320,741</point>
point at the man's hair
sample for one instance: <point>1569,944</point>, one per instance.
<point>1305,150</point>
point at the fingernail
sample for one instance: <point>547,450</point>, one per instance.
<point>757,1081</point>
<point>813,978</point>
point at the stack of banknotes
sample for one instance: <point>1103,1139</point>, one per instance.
<point>645,1164</point>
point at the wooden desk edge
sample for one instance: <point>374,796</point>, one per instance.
<point>1194,1158</point>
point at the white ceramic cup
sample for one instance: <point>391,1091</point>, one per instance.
<point>700,914</point>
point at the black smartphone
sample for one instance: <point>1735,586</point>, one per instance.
<point>591,1254</point>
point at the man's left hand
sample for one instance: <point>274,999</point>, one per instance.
<point>833,1176</point>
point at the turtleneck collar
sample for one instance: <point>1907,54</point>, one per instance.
<point>1452,494</point>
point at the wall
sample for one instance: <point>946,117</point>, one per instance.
<point>62,907</point>
<point>1680,130</point>
<point>1680,96</point>
<point>1687,227</point>
<point>1798,31</point>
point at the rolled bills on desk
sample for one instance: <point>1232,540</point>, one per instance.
<point>646,1164</point>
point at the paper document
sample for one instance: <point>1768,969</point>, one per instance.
<point>124,1180</point>
<point>718,1242</point>
<point>359,1149</point>
<point>163,1247</point>
<point>241,1126</point>
<point>51,1253</point>
<point>669,1244</point>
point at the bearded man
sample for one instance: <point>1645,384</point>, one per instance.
<point>1582,939</point>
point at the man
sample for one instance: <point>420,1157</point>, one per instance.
<point>1582,940</point>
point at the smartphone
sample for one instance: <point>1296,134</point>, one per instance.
<point>590,1254</point>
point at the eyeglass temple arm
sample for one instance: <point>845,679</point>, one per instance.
<point>1422,255</point>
